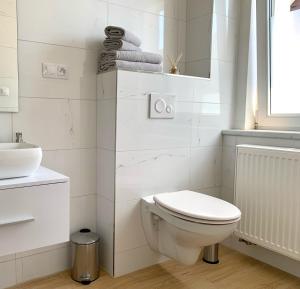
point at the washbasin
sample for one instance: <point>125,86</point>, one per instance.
<point>19,159</point>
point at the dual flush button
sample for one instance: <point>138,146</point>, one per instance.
<point>162,106</point>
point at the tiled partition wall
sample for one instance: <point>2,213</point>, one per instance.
<point>60,115</point>
<point>138,156</point>
<point>230,140</point>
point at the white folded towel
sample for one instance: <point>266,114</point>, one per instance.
<point>135,56</point>
<point>119,44</point>
<point>115,32</point>
<point>127,65</point>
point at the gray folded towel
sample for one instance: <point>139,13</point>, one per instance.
<point>127,65</point>
<point>118,44</point>
<point>135,56</point>
<point>115,32</point>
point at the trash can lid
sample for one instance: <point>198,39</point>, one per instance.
<point>84,237</point>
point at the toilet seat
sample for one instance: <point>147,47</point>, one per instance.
<point>197,207</point>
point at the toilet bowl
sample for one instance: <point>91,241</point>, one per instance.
<point>179,224</point>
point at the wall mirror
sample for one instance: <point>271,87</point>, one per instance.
<point>8,56</point>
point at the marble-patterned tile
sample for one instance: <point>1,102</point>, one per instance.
<point>142,173</point>
<point>79,164</point>
<point>84,123</point>
<point>46,122</point>
<point>57,123</point>
<point>136,259</point>
<point>81,63</point>
<point>83,212</point>
<point>106,123</point>
<point>135,130</point>
<point>68,23</point>
<point>105,228</point>
<point>206,167</point>
<point>107,85</point>
<point>129,233</point>
<point>106,174</point>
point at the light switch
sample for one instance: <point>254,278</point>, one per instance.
<point>162,105</point>
<point>4,91</point>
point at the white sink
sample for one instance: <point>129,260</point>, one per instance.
<point>19,159</point>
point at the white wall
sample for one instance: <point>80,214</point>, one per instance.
<point>60,115</point>
<point>228,173</point>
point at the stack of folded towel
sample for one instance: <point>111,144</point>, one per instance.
<point>123,51</point>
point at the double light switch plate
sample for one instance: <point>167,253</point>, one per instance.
<point>162,105</point>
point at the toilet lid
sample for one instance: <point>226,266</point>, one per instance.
<point>198,206</point>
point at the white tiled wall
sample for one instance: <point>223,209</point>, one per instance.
<point>61,116</point>
<point>227,193</point>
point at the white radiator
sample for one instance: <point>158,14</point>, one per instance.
<point>267,191</point>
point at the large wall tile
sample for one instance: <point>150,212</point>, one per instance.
<point>70,23</point>
<point>106,120</point>
<point>83,212</point>
<point>136,259</point>
<point>140,132</point>
<point>46,122</point>
<point>67,123</point>
<point>107,85</point>
<point>129,231</point>
<point>206,167</point>
<point>106,170</point>
<point>7,274</point>
<point>82,67</point>
<point>105,228</point>
<point>80,165</point>
<point>84,123</point>
<point>142,173</point>
<point>44,264</point>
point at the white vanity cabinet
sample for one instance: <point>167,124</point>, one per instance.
<point>34,211</point>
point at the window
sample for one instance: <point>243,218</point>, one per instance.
<point>278,70</point>
<point>284,58</point>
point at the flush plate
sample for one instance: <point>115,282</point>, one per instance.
<point>162,106</point>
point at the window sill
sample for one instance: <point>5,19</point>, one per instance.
<point>293,135</point>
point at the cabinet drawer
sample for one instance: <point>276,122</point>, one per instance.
<point>34,217</point>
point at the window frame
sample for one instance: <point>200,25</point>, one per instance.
<point>265,119</point>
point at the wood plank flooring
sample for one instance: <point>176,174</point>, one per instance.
<point>235,271</point>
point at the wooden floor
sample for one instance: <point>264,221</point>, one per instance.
<point>235,271</point>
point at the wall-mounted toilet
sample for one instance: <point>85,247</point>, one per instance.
<point>179,224</point>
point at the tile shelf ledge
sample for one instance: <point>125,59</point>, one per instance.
<point>293,135</point>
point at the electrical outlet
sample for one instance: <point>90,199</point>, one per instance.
<point>57,71</point>
<point>62,71</point>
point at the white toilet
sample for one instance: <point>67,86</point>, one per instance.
<point>179,224</point>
